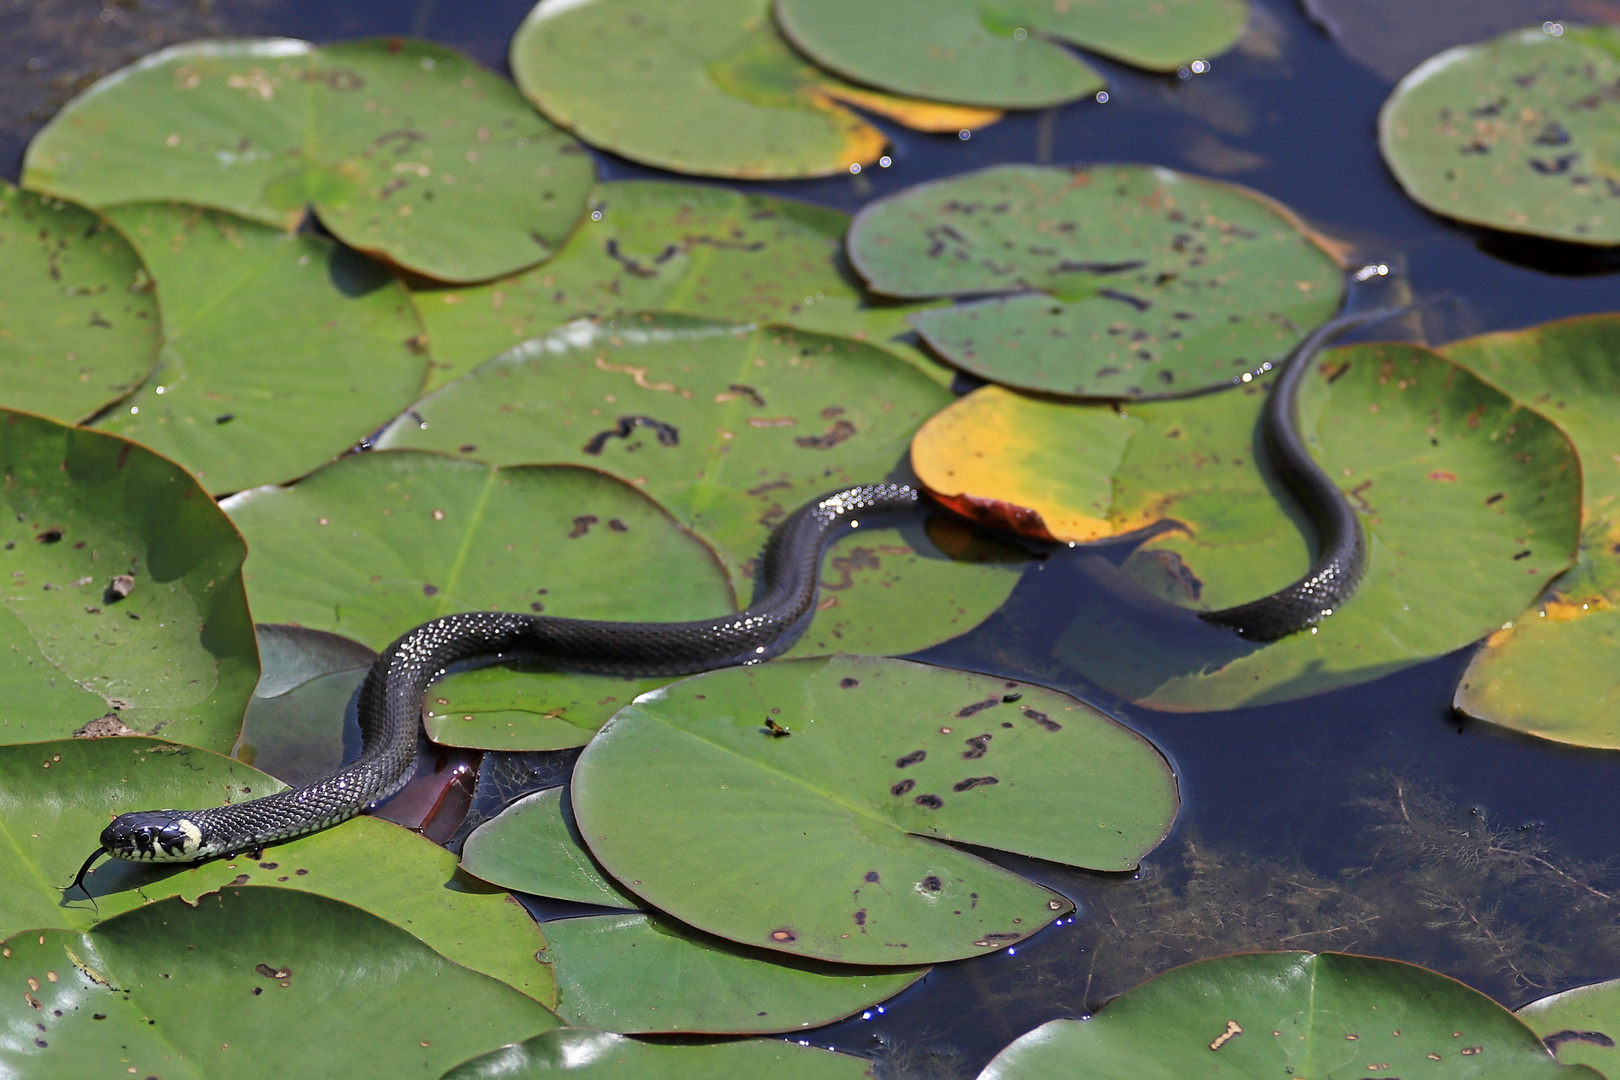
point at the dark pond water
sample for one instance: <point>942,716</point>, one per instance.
<point>1368,819</point>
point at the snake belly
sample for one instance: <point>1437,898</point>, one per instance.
<point>391,697</point>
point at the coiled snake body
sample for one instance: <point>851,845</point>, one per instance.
<point>391,697</point>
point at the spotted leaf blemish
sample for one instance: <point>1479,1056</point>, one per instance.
<point>910,759</point>
<point>932,802</point>
<point>973,782</point>
<point>978,746</point>
<point>902,787</point>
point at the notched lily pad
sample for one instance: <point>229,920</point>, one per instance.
<point>343,367</point>
<point>534,846</point>
<point>1521,132</point>
<point>1004,55</point>
<point>78,322</point>
<point>221,982</point>
<point>751,107</point>
<point>1124,281</point>
<point>406,149</point>
<point>598,1055</point>
<point>297,727</point>
<point>839,777</point>
<point>1288,1014</point>
<point>1549,671</point>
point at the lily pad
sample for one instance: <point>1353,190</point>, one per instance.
<point>598,1055</point>
<point>1034,466</point>
<point>750,107</point>
<point>835,815</point>
<point>1549,671</point>
<point>1326,1015</point>
<point>296,724</point>
<point>59,795</point>
<point>1580,1026</point>
<point>375,544</point>
<point>343,367</point>
<point>654,246</point>
<point>1009,55</point>
<point>643,974</point>
<point>176,653</point>
<point>732,427</point>
<point>78,324</point>
<point>1521,132</point>
<point>220,984</point>
<point>534,846</point>
<point>406,149</point>
<point>1469,502</point>
<point>1124,281</point>
<point>526,706</point>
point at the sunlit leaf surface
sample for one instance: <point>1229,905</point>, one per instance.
<point>1521,133</point>
<point>838,779</point>
<point>247,983</point>
<point>1326,1015</point>
<point>406,149</point>
<point>598,1055</point>
<point>534,846</point>
<point>1123,281</point>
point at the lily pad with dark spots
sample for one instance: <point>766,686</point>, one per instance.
<point>216,986</point>
<point>1521,132</point>
<point>1580,1026</point>
<point>78,323</point>
<point>1123,281</point>
<point>750,107</point>
<point>405,149</point>
<point>846,783</point>
<point>1289,1014</point>
<point>1007,55</point>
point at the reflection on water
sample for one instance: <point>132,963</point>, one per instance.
<point>1366,819</point>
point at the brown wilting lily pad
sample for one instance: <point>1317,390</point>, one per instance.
<point>1121,281</point>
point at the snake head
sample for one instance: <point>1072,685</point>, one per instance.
<point>153,836</point>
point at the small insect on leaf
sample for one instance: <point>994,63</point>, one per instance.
<point>775,730</point>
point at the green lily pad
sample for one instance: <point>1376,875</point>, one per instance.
<point>526,706</point>
<point>835,816</point>
<point>642,974</point>
<point>176,654</point>
<point>1470,505</point>
<point>406,149</point>
<point>1549,672</point>
<point>534,846</point>
<point>222,983</point>
<point>1034,466</point>
<point>655,246</point>
<point>751,107</point>
<point>601,1056</point>
<point>1327,1016</point>
<point>78,324</point>
<point>294,724</point>
<point>1007,55</point>
<point>343,367</point>
<point>59,796</point>
<point>1124,281</point>
<point>732,428</point>
<point>1580,1026</point>
<point>1521,132</point>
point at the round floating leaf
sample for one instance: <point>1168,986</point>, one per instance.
<point>1327,1015</point>
<point>345,365</point>
<point>375,544</point>
<point>526,707</point>
<point>835,814</point>
<point>85,517</point>
<point>1470,505</point>
<point>732,428</point>
<point>1581,1026</point>
<point>533,846</point>
<point>293,729</point>
<point>56,797</point>
<point>644,974</point>
<point>750,107</point>
<point>1006,56</point>
<point>1029,465</point>
<point>681,248</point>
<point>1521,133</point>
<point>248,983</point>
<point>598,1055</point>
<point>1550,672</point>
<point>406,149</point>
<point>1125,281</point>
<point>78,324</point>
